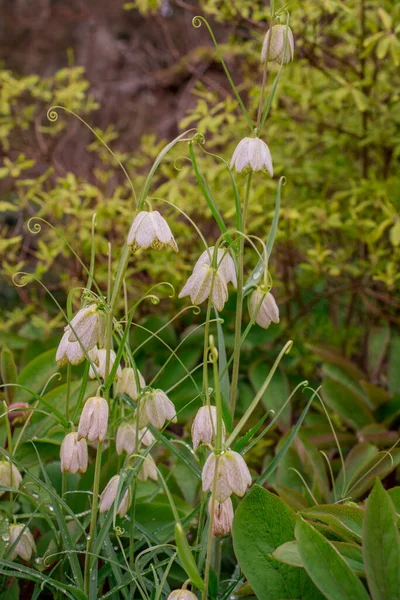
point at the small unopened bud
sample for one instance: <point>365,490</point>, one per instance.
<point>276,48</point>
<point>127,436</point>
<point>18,412</point>
<point>156,408</point>
<point>127,383</point>
<point>263,308</point>
<point>205,281</point>
<point>94,420</point>
<point>73,454</point>
<point>109,494</point>
<point>150,229</point>
<point>223,516</point>
<point>233,475</point>
<point>252,154</point>
<point>204,426</point>
<point>148,469</point>
<point>25,545</point>
<point>182,594</point>
<point>224,264</point>
<point>10,477</point>
<point>99,357</point>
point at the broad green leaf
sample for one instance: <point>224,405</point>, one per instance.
<point>292,497</point>
<point>326,567</point>
<point>339,374</point>
<point>332,356</point>
<point>289,553</point>
<point>394,494</point>
<point>8,372</point>
<point>342,518</point>
<point>359,456</point>
<point>378,339</point>
<point>394,366</point>
<point>381,545</point>
<point>262,523</point>
<point>380,466</point>
<point>276,394</point>
<point>36,374</point>
<point>315,465</point>
<point>348,405</point>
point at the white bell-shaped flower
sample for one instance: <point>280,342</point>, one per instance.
<point>263,308</point>
<point>205,281</point>
<point>69,352</point>
<point>148,469</point>
<point>252,154</point>
<point>88,326</point>
<point>204,426</point>
<point>127,383</point>
<point>99,357</point>
<point>182,594</point>
<point>73,454</point>
<point>94,419</point>
<point>150,229</point>
<point>276,50</point>
<point>25,545</point>
<point>109,494</point>
<point>223,516</point>
<point>127,436</point>
<point>225,265</point>
<point>10,477</point>
<point>155,408</point>
<point>232,475</point>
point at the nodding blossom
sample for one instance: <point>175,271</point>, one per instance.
<point>73,454</point>
<point>230,473</point>
<point>148,469</point>
<point>263,307</point>
<point>127,438</point>
<point>85,330</point>
<point>155,408</point>
<point>127,383</point>
<point>182,594</point>
<point>150,229</point>
<point>204,426</point>
<point>223,516</point>
<point>206,280</point>
<point>10,477</point>
<point>109,494</point>
<point>99,358</point>
<point>252,154</point>
<point>224,264</point>
<point>94,419</point>
<point>69,352</point>
<point>276,50</point>
<point>25,545</point>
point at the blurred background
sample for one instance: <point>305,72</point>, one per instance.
<point>139,73</point>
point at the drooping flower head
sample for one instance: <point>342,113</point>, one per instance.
<point>99,358</point>
<point>155,408</point>
<point>148,469</point>
<point>150,229</point>
<point>263,307</point>
<point>127,436</point>
<point>109,494</point>
<point>223,516</point>
<point>204,426</point>
<point>73,454</point>
<point>127,383</point>
<point>85,330</point>
<point>252,154</point>
<point>182,594</point>
<point>231,473</point>
<point>276,50</point>
<point>25,545</point>
<point>224,264</point>
<point>205,281</point>
<point>94,419</point>
<point>9,476</point>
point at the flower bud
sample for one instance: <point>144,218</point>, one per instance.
<point>262,306</point>
<point>223,516</point>
<point>18,412</point>
<point>94,420</point>
<point>9,476</point>
<point>109,494</point>
<point>156,408</point>
<point>99,357</point>
<point>25,545</point>
<point>276,50</point>
<point>225,265</point>
<point>232,476</point>
<point>148,469</point>
<point>88,326</point>
<point>252,154</point>
<point>73,454</point>
<point>150,229</point>
<point>182,594</point>
<point>204,426</point>
<point>127,383</point>
<point>205,281</point>
<point>126,438</point>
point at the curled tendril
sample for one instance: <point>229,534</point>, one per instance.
<point>52,114</point>
<point>199,138</point>
<point>34,225</point>
<point>178,167</point>
<point>197,21</point>
<point>25,278</point>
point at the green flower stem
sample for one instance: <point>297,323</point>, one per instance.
<point>239,302</point>
<point>210,533</point>
<point>253,405</point>
<point>68,391</point>
<point>93,521</point>
<point>10,450</point>
<point>218,399</point>
<point>265,69</point>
